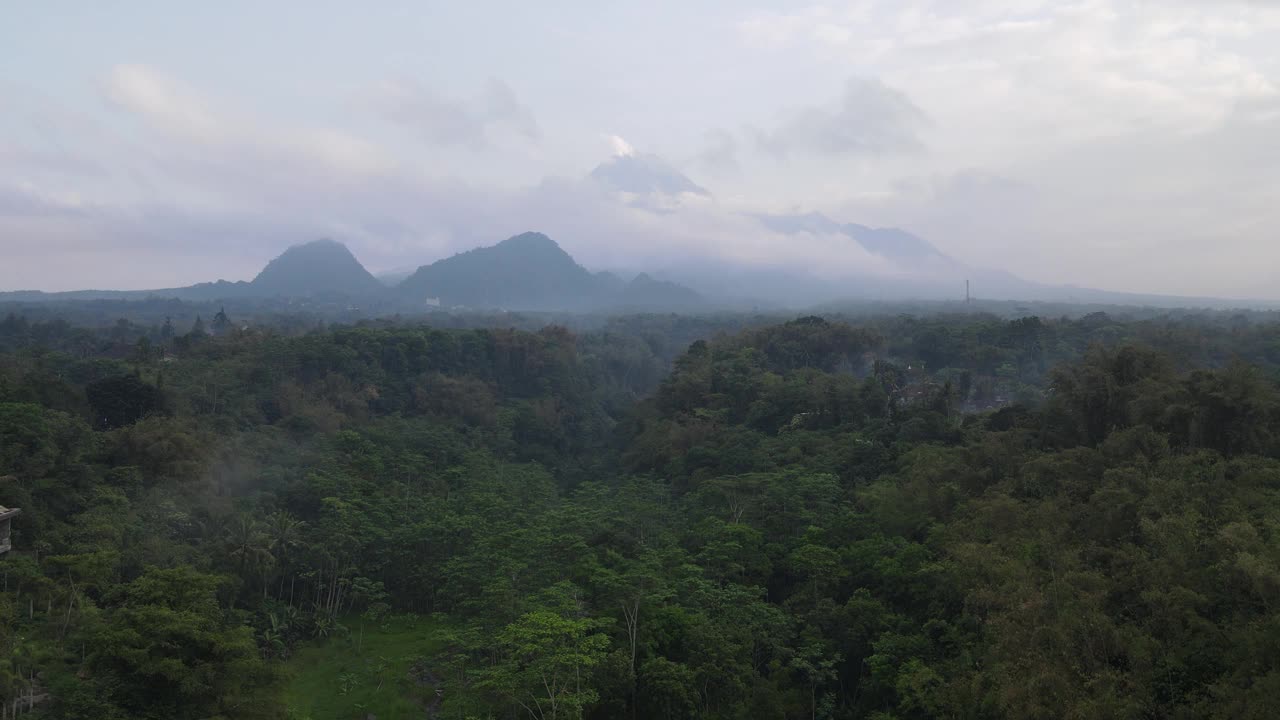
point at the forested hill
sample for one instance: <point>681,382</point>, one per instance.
<point>524,271</point>
<point>662,517</point>
<point>531,272</point>
<point>320,267</point>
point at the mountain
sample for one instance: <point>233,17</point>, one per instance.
<point>924,273</point>
<point>610,282</point>
<point>890,243</point>
<point>531,272</point>
<point>218,290</point>
<point>643,174</point>
<point>392,278</point>
<point>806,222</point>
<point>647,293</point>
<point>319,267</point>
<point>527,272</point>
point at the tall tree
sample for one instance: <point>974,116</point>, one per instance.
<point>545,663</point>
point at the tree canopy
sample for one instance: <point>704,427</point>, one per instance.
<point>950,516</point>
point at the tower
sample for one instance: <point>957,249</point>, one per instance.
<point>6,516</point>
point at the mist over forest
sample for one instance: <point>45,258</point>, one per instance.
<point>922,510</point>
<point>862,360</point>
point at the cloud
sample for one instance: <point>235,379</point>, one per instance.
<point>183,114</point>
<point>719,153</point>
<point>224,213</point>
<point>1033,72</point>
<point>166,103</point>
<point>771,30</point>
<point>476,123</point>
<point>603,230</point>
<point>1067,141</point>
<point>621,148</point>
<point>870,119</point>
<point>24,199</point>
<point>1160,213</point>
<point>501,107</point>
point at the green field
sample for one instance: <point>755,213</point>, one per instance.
<point>362,673</point>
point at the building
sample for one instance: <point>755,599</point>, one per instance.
<point>6,517</point>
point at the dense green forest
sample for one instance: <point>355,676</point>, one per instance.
<point>942,515</point>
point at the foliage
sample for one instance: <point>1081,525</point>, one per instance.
<point>380,668</point>
<point>658,516</point>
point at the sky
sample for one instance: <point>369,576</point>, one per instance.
<point>1103,143</point>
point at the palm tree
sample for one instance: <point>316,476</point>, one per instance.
<point>284,535</point>
<point>276,637</point>
<point>322,626</point>
<point>248,544</point>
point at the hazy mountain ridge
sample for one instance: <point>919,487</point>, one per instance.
<point>525,271</point>
<point>891,243</point>
<point>394,277</point>
<point>643,174</point>
<point>531,272</point>
<point>315,268</point>
<point>319,267</point>
<point>833,261</point>
<point>645,291</point>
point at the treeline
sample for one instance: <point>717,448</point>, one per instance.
<point>659,517</point>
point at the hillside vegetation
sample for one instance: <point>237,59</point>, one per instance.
<point>952,516</point>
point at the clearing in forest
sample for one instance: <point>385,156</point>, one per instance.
<point>375,671</point>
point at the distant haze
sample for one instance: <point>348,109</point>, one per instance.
<point>1128,146</point>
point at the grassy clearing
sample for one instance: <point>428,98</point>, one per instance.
<point>364,672</point>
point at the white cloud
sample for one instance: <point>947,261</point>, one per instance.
<point>249,190</point>
<point>719,153</point>
<point>185,115</point>
<point>1045,71</point>
<point>1067,141</point>
<point>169,105</point>
<point>496,112</point>
<point>870,119</point>
<point>621,148</point>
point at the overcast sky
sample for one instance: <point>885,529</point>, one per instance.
<point>1121,145</point>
